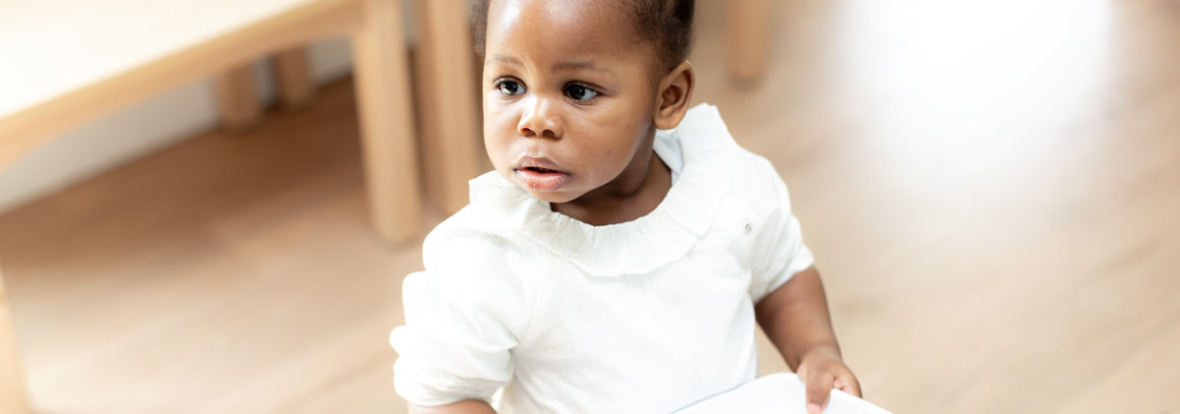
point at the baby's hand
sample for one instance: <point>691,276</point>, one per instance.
<point>822,369</point>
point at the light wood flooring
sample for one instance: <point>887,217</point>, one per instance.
<point>992,189</point>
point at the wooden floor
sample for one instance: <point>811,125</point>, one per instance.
<point>992,189</point>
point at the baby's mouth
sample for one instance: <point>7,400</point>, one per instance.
<point>541,179</point>
<point>541,170</point>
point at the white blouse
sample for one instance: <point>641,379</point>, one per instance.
<point>537,312</point>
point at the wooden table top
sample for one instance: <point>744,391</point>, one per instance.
<point>53,47</point>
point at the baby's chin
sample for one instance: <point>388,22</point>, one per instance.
<point>563,194</point>
<point>552,197</point>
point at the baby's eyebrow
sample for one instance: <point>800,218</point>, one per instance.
<point>579,65</point>
<point>503,59</point>
<point>557,67</point>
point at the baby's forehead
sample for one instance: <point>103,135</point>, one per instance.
<point>571,26</point>
<point>620,8</point>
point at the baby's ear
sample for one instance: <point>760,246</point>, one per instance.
<point>674,95</point>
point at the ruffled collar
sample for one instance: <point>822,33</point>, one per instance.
<point>634,247</point>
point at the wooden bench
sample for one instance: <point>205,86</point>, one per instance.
<point>71,61</point>
<point>68,65</point>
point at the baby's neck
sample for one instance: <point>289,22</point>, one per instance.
<point>630,197</point>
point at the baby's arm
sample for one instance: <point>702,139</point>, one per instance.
<point>461,407</point>
<point>795,318</point>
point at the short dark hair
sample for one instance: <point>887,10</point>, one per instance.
<point>667,24</point>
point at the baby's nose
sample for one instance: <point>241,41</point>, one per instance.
<point>540,120</point>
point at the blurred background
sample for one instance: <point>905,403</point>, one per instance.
<point>992,189</point>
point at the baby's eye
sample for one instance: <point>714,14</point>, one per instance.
<point>510,88</point>
<point>580,92</point>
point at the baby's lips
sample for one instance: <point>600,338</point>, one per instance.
<point>538,181</point>
<point>538,162</point>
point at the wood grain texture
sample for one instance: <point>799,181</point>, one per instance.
<point>994,213</point>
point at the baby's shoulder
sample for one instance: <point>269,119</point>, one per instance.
<point>745,160</point>
<point>466,246</point>
<point>754,176</point>
<point>469,268</point>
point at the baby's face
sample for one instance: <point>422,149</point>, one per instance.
<point>568,96</point>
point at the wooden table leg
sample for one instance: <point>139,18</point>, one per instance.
<point>448,101</point>
<point>747,29</point>
<point>13,397</point>
<point>293,75</point>
<point>237,98</point>
<point>387,123</point>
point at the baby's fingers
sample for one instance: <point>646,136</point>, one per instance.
<point>846,382</point>
<point>822,379</point>
<point>819,387</point>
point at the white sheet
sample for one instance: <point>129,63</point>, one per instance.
<point>781,393</point>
